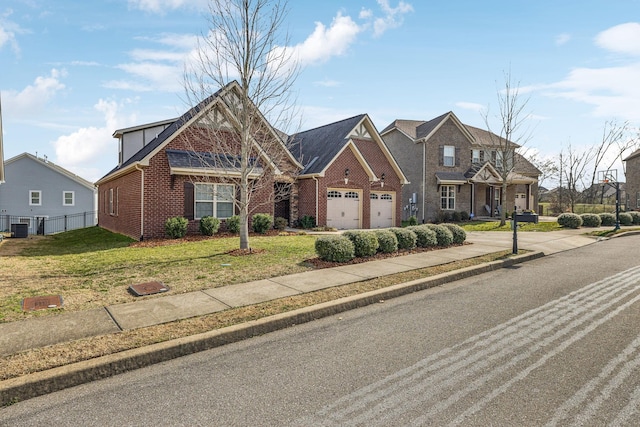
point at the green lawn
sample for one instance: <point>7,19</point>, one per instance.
<point>523,226</point>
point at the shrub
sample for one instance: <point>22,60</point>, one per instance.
<point>365,243</point>
<point>636,217</point>
<point>456,216</point>
<point>209,225</point>
<point>233,224</point>
<point>334,248</point>
<point>413,220</point>
<point>176,227</point>
<point>425,237</point>
<point>262,223</point>
<point>443,216</point>
<point>406,238</point>
<point>307,222</point>
<point>591,220</point>
<point>607,219</point>
<point>280,223</point>
<point>464,216</point>
<point>444,235</point>
<point>387,241</point>
<point>459,235</point>
<point>625,218</point>
<point>570,220</point>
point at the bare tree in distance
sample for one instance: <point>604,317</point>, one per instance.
<point>574,165</point>
<point>548,167</point>
<point>512,134</point>
<point>242,142</point>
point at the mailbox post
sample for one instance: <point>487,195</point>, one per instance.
<point>514,250</point>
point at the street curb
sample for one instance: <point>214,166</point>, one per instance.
<point>40,383</point>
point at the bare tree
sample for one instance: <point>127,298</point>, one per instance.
<point>547,166</point>
<point>511,135</point>
<point>574,164</point>
<point>239,141</point>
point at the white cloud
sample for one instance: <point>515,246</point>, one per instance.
<point>325,43</point>
<point>90,144</point>
<point>8,31</point>
<point>34,97</point>
<point>562,39</point>
<point>623,38</point>
<point>162,6</point>
<point>327,83</point>
<point>393,16</point>
<point>471,106</point>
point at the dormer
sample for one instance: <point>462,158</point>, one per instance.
<point>133,139</point>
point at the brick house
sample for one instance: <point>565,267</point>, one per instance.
<point>188,167</point>
<point>632,178</point>
<point>453,167</point>
<point>349,177</point>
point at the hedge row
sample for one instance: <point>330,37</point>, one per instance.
<point>571,220</point>
<point>361,243</point>
<point>176,227</point>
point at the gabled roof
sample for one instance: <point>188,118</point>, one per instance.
<point>317,148</point>
<point>142,157</point>
<point>53,167</point>
<point>421,131</point>
<point>119,132</point>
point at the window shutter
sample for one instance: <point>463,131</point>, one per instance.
<point>456,155</point>
<point>188,200</point>
<point>441,156</point>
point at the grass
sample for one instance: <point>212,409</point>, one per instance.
<point>523,226</point>
<point>93,268</point>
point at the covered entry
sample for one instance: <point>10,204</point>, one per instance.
<point>382,209</point>
<point>343,208</point>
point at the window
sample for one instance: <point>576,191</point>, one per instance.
<point>449,154</point>
<point>448,197</point>
<point>475,156</point>
<point>68,198</point>
<point>214,200</point>
<point>35,198</point>
<point>112,210</point>
<point>334,194</point>
<point>373,196</point>
<point>497,195</point>
<point>350,195</point>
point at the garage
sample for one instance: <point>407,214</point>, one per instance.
<point>343,209</point>
<point>382,205</point>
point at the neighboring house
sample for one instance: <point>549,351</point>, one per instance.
<point>632,177</point>
<point>604,193</point>
<point>453,167</point>
<point>179,173</point>
<point>41,194</point>
<point>350,179</point>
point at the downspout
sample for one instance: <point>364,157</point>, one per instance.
<point>141,202</point>
<point>317,197</point>
<point>424,177</point>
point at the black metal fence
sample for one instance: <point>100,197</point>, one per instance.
<point>49,225</point>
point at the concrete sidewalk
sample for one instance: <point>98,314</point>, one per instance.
<point>23,335</point>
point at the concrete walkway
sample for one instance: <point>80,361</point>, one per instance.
<point>148,311</point>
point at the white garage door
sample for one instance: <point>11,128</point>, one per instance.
<point>381,210</point>
<point>343,209</point>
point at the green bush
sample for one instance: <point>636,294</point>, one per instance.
<point>464,216</point>
<point>307,222</point>
<point>636,217</point>
<point>570,220</point>
<point>387,241</point>
<point>406,238</point>
<point>233,224</point>
<point>591,220</point>
<point>176,227</point>
<point>261,223</point>
<point>413,220</point>
<point>209,225</point>
<point>607,219</point>
<point>444,235</point>
<point>459,235</point>
<point>365,243</point>
<point>280,223</point>
<point>334,248</point>
<point>625,218</point>
<point>456,216</point>
<point>425,237</point>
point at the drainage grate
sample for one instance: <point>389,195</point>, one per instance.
<point>148,288</point>
<point>41,303</point>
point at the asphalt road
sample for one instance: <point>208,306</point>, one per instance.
<point>554,341</point>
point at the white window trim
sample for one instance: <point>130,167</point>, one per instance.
<point>73,198</point>
<point>451,189</point>
<point>452,157</point>
<point>214,201</point>
<point>31,197</point>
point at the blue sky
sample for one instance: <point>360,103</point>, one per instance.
<point>72,72</point>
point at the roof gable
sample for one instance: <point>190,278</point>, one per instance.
<point>52,166</point>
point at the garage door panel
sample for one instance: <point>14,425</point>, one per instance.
<point>343,209</point>
<point>381,207</point>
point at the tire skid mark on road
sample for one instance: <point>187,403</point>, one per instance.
<point>527,340</point>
